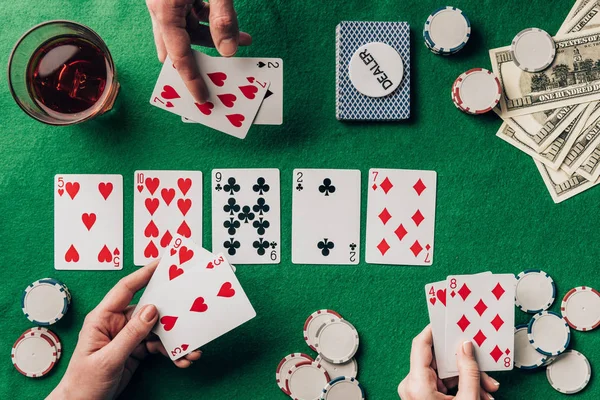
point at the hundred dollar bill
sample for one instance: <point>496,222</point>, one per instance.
<point>590,169</point>
<point>583,146</point>
<point>577,7</point>
<point>573,77</point>
<point>587,18</point>
<point>561,185</point>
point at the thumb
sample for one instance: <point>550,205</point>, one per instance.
<point>133,333</point>
<point>468,373</point>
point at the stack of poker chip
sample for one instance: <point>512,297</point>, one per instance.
<point>476,91</point>
<point>544,341</point>
<point>45,301</point>
<point>332,374</point>
<point>446,31</point>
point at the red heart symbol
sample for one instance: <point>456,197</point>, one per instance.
<point>168,195</point>
<point>226,290</point>
<point>199,305</point>
<point>61,192</point>
<point>210,265</point>
<point>169,104</point>
<point>227,99</point>
<point>441,295</point>
<point>184,185</point>
<point>173,251</point>
<point>250,79</point>
<point>151,251</point>
<point>152,184</point>
<point>184,347</point>
<point>72,255</point>
<point>249,91</point>
<point>151,205</point>
<point>166,239</point>
<point>105,189</point>
<point>88,220</point>
<point>235,119</point>
<point>105,255</point>
<point>168,322</point>
<point>184,205</point>
<point>151,230</point>
<point>184,230</point>
<point>169,93</point>
<point>185,255</point>
<point>140,188</point>
<point>432,300</point>
<point>205,108</point>
<point>72,189</point>
<point>218,78</point>
<point>174,272</point>
<point>116,252</point>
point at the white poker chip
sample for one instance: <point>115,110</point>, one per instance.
<point>477,91</point>
<point>34,354</point>
<point>549,333</point>
<point>349,369</point>
<point>533,50</point>
<point>581,308</point>
<point>343,388</point>
<point>38,330</point>
<point>376,69</point>
<point>569,373</point>
<point>313,322</point>
<point>526,356</point>
<point>45,301</point>
<point>535,291</point>
<point>306,381</point>
<point>446,31</point>
<point>337,341</point>
<point>286,364</point>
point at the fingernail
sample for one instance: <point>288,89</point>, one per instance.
<point>490,397</point>
<point>468,348</point>
<point>495,382</point>
<point>228,47</point>
<point>148,313</point>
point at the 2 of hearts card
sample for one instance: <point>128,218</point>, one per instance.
<point>198,298</point>
<point>88,222</point>
<point>401,217</point>
<point>165,204</point>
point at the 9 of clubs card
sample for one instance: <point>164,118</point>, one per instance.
<point>246,220</point>
<point>88,222</point>
<point>326,216</point>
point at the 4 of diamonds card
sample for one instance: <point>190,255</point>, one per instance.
<point>88,222</point>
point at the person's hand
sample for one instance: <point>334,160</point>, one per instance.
<point>422,382</point>
<point>112,343</point>
<point>177,24</point>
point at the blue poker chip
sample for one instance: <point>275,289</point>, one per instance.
<point>535,291</point>
<point>549,333</point>
<point>526,357</point>
<point>343,388</point>
<point>45,301</point>
<point>447,31</point>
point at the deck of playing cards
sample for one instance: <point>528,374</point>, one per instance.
<point>477,308</point>
<point>197,295</point>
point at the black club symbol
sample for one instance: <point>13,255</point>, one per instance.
<point>218,188</point>
<point>261,246</point>
<point>261,226</point>
<point>327,187</point>
<point>232,206</point>
<point>325,246</point>
<point>299,187</point>
<point>261,206</point>
<point>231,245</point>
<point>246,215</point>
<point>261,186</point>
<point>232,187</point>
<point>352,246</point>
<point>273,245</point>
<point>232,226</point>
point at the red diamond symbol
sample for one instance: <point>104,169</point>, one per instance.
<point>383,247</point>
<point>497,322</point>
<point>419,187</point>
<point>507,351</point>
<point>463,323</point>
<point>464,291</point>
<point>480,307</point>
<point>498,291</point>
<point>418,218</point>
<point>386,185</point>
<point>496,353</point>
<point>385,216</point>
<point>400,232</point>
<point>479,338</point>
<point>427,247</point>
<point>416,248</point>
<point>453,293</point>
<point>374,187</point>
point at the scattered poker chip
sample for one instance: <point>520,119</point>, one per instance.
<point>533,50</point>
<point>306,380</point>
<point>62,284</point>
<point>284,366</point>
<point>535,292</point>
<point>337,341</point>
<point>376,69</point>
<point>34,354</point>
<point>39,330</point>
<point>343,388</point>
<point>477,91</point>
<point>581,308</point>
<point>45,301</point>
<point>549,333</point>
<point>569,373</point>
<point>446,31</point>
<point>349,369</point>
<point>549,361</point>
<point>526,356</point>
<point>313,322</point>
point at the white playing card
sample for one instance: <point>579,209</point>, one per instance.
<point>436,306</point>
<point>326,216</point>
<point>401,217</point>
<point>165,204</point>
<point>480,309</point>
<point>246,219</point>
<point>88,222</point>
<point>233,100</point>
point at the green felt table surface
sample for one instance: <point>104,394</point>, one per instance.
<point>493,210</point>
